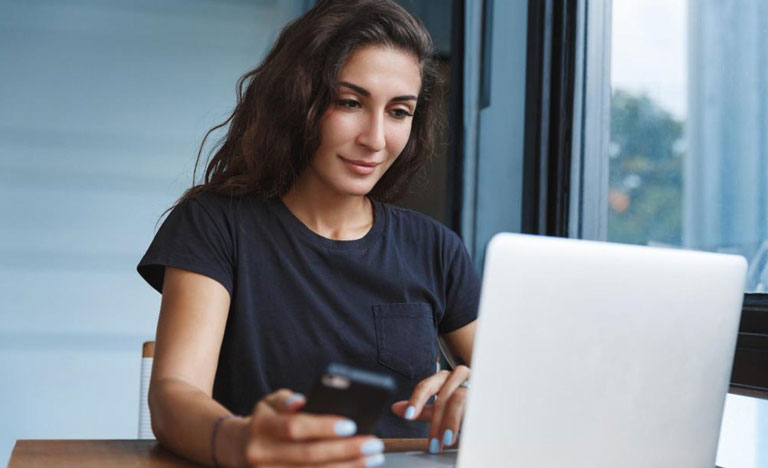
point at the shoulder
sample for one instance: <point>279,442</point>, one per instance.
<point>420,227</point>
<point>211,202</point>
<point>220,208</point>
<point>219,215</point>
<point>410,217</point>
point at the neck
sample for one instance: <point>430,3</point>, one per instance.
<point>329,214</point>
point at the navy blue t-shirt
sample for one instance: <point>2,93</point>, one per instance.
<point>300,300</point>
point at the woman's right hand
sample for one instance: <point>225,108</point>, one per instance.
<point>280,435</point>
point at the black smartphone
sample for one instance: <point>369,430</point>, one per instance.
<point>357,394</point>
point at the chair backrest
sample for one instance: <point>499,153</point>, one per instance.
<point>145,421</point>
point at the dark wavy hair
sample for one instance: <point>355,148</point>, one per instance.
<point>274,129</point>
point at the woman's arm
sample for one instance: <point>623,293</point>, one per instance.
<point>190,330</point>
<point>461,341</point>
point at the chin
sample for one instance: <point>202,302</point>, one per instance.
<point>356,193</point>
<point>357,189</point>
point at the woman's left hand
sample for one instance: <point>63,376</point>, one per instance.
<point>446,413</point>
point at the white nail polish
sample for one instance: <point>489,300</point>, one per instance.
<point>372,447</point>
<point>345,427</point>
<point>374,460</point>
<point>293,399</point>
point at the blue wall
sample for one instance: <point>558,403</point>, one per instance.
<point>102,106</point>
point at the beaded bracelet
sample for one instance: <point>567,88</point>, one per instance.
<point>216,425</point>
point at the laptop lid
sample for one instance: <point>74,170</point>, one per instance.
<point>600,355</point>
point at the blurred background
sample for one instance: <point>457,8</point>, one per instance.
<point>104,104</point>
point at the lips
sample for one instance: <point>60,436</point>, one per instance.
<point>359,162</point>
<point>359,167</point>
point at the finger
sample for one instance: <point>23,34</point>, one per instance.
<point>362,462</point>
<point>454,413</point>
<point>422,392</point>
<point>315,453</point>
<point>302,426</point>
<point>444,404</point>
<point>400,408</point>
<point>285,400</point>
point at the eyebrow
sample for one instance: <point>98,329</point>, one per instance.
<point>367,93</point>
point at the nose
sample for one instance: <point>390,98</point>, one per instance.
<point>372,133</point>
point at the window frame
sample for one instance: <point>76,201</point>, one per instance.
<point>588,210</point>
<point>549,116</point>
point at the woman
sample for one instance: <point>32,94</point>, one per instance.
<point>286,257</point>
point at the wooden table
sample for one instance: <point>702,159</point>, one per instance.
<point>125,453</point>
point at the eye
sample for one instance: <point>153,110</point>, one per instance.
<point>348,103</point>
<point>400,114</point>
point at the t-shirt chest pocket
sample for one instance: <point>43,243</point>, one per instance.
<point>406,338</point>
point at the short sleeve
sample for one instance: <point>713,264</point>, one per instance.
<point>194,237</point>
<point>462,287</point>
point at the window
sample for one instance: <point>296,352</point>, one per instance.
<point>688,152</point>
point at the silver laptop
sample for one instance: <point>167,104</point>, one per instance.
<point>593,354</point>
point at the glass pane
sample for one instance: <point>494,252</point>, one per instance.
<point>689,127</point>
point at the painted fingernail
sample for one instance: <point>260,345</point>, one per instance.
<point>293,399</point>
<point>374,460</point>
<point>410,412</point>
<point>345,427</point>
<point>372,447</point>
<point>434,445</point>
<point>447,437</point>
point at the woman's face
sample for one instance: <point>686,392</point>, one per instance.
<point>369,122</point>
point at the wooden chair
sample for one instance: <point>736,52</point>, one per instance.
<point>145,422</point>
